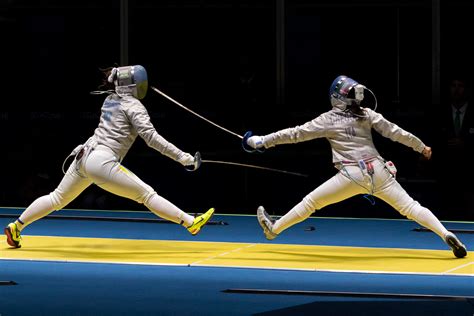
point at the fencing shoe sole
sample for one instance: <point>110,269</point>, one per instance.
<point>456,245</point>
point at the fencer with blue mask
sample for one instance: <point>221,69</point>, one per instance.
<point>99,160</point>
<point>361,169</point>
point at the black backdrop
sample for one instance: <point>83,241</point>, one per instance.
<point>219,58</point>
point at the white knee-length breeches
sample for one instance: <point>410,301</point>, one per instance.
<point>351,181</point>
<point>103,168</point>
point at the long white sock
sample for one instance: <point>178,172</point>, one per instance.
<point>40,207</point>
<point>167,210</point>
<point>425,218</point>
<point>298,213</point>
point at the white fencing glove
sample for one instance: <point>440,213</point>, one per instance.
<point>252,144</point>
<point>256,142</point>
<point>190,163</point>
<point>186,159</point>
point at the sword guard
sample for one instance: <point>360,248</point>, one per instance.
<point>246,147</point>
<point>197,162</point>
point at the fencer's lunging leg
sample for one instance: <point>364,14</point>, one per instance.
<point>297,214</point>
<point>40,208</point>
<point>336,189</point>
<point>167,210</point>
<point>103,167</point>
<point>399,199</point>
<point>72,184</point>
<point>396,196</point>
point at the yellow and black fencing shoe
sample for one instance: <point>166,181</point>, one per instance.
<point>13,235</point>
<point>200,221</point>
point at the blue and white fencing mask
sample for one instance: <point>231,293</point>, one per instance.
<point>344,91</point>
<point>130,80</point>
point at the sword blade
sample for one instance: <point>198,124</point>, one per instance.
<point>254,167</point>
<point>198,115</point>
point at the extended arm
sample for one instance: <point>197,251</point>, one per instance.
<point>310,130</point>
<point>140,119</point>
<point>398,134</point>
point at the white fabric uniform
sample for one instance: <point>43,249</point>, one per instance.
<point>122,120</point>
<point>350,138</point>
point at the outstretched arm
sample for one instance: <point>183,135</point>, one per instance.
<point>310,130</point>
<point>140,119</point>
<point>396,133</point>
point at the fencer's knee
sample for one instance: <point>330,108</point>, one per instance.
<point>58,201</point>
<point>411,210</point>
<point>308,207</point>
<point>311,205</point>
<point>147,197</point>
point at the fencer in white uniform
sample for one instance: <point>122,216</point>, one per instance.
<point>348,128</point>
<point>98,160</point>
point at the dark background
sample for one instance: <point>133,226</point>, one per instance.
<point>222,59</point>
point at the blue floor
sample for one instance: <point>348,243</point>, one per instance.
<point>46,288</point>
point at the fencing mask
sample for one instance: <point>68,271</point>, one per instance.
<point>130,80</point>
<point>344,91</point>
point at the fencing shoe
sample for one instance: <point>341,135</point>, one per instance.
<point>266,222</point>
<point>13,235</point>
<point>457,246</point>
<point>200,221</point>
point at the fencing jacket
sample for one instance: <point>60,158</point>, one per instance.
<point>123,118</point>
<point>350,136</point>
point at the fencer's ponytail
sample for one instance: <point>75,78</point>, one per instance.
<point>106,83</point>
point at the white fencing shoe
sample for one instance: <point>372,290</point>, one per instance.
<point>266,222</point>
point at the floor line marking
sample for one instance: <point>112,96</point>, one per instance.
<point>459,267</point>
<point>223,254</point>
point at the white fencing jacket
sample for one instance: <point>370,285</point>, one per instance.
<point>350,136</point>
<point>123,118</point>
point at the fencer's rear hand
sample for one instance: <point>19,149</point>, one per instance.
<point>256,142</point>
<point>186,159</point>
<point>427,152</point>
